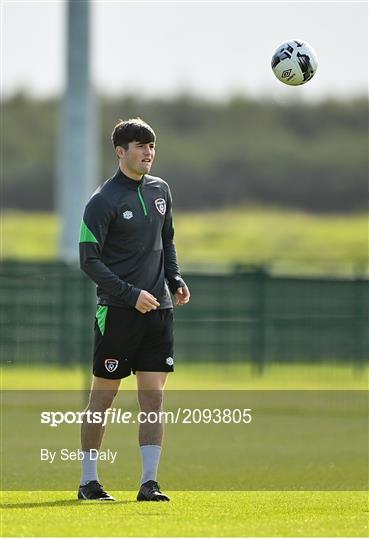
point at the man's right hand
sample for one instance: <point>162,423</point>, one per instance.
<point>146,302</point>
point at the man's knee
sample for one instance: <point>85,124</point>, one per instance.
<point>102,393</point>
<point>150,400</point>
<point>100,400</point>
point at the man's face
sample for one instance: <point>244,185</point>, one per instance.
<point>137,159</point>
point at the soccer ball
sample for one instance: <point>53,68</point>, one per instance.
<point>294,62</point>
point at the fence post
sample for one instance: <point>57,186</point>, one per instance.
<point>63,341</point>
<point>360,321</point>
<point>87,323</point>
<point>258,347</point>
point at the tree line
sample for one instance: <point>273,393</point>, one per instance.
<point>214,154</point>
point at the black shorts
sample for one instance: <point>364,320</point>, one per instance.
<point>127,341</point>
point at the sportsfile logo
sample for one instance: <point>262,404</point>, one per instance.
<point>119,416</point>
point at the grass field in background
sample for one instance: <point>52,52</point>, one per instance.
<point>201,376</point>
<point>290,240</point>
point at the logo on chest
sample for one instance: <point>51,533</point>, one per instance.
<point>127,214</point>
<point>161,206</point>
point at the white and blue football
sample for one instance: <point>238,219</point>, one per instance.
<point>294,62</point>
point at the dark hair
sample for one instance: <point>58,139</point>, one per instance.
<point>130,130</point>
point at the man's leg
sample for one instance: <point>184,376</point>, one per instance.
<point>102,394</point>
<point>150,386</point>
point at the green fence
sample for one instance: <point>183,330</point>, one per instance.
<point>47,315</point>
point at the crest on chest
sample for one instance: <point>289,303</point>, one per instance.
<point>161,206</point>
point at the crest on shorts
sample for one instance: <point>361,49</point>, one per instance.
<point>111,365</point>
<point>169,361</point>
<point>161,206</point>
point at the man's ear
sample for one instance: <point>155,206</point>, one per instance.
<point>120,152</point>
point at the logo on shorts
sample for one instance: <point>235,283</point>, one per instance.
<point>169,361</point>
<point>128,214</point>
<point>111,365</point>
<point>161,206</point>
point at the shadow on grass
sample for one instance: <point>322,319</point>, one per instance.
<point>63,502</point>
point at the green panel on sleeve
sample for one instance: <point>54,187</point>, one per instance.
<point>85,235</point>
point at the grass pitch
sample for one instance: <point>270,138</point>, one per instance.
<point>196,514</point>
<point>200,376</point>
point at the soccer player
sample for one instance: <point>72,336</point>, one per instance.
<point>127,249</point>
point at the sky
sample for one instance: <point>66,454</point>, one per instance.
<point>210,49</point>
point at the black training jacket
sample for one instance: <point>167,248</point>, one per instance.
<point>126,241</point>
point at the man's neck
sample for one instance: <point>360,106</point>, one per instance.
<point>130,174</point>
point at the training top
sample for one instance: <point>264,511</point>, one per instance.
<point>126,241</point>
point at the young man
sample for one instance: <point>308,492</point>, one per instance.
<point>127,249</point>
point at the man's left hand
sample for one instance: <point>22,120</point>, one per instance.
<point>182,296</point>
